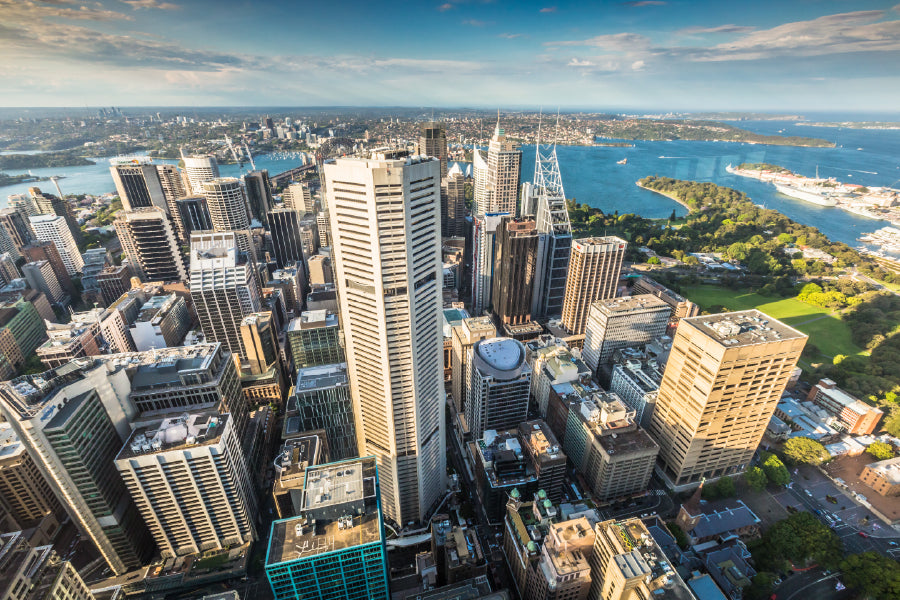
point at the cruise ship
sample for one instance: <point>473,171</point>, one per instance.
<point>863,211</point>
<point>807,195</point>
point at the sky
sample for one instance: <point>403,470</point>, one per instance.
<point>680,55</point>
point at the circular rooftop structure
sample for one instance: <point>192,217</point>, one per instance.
<point>502,358</point>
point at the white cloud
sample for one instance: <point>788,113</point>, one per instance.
<point>580,63</point>
<point>718,29</point>
<point>548,9</point>
<point>614,41</point>
<point>510,36</point>
<point>445,7</point>
<point>136,4</point>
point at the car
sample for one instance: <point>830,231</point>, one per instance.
<point>892,543</point>
<point>817,511</point>
<point>831,499</point>
<point>808,493</point>
<point>791,509</point>
<point>862,534</point>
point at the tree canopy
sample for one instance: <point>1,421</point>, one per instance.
<point>756,479</point>
<point>802,450</point>
<point>874,575</point>
<point>774,469</point>
<point>880,450</point>
<point>800,539</point>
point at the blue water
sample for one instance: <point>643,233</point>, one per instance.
<point>591,175</point>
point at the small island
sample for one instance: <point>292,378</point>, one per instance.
<point>43,160</point>
<point>700,131</point>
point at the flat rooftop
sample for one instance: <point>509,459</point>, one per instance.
<point>626,304</point>
<point>10,446</point>
<point>340,510</point>
<point>324,376</point>
<point>312,319</point>
<point>188,429</point>
<point>743,328</point>
<point>888,469</point>
<point>845,399</point>
<point>643,556</point>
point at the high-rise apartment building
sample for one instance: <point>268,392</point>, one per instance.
<point>453,203</point>
<point>315,339</point>
<point>8,269</point>
<point>497,175</point>
<point>594,269</point>
<point>188,478</point>
<point>227,204</point>
<point>723,379</point>
<point>224,289</point>
<point>621,323</point>
<point>199,169</point>
<point>498,388</point>
<point>284,226</point>
<point>337,541</point>
<point>138,183</point>
<point>463,337</point>
<point>322,400</point>
<point>260,338</point>
<point>113,282</point>
<point>17,227</point>
<point>26,492</point>
<point>47,251</point>
<point>73,426</point>
<point>484,245</point>
<point>41,277</point>
<point>385,223</point>
<point>149,242</point>
<point>24,204</point>
<point>53,228</point>
<point>324,228</point>
<point>518,251</point>
<point>433,142</point>
<point>298,197</point>
<point>48,204</point>
<point>173,187</point>
<point>259,194</point>
<point>194,214</point>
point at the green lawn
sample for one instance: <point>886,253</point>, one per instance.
<point>826,331</point>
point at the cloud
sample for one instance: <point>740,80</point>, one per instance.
<point>718,29</point>
<point>474,23</point>
<point>137,4</point>
<point>28,12</point>
<point>445,7</point>
<point>580,63</point>
<point>637,3</point>
<point>510,36</point>
<point>614,41</point>
<point>548,9</point>
<point>637,65</point>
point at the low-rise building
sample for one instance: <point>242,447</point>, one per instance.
<point>853,415</point>
<point>68,341</point>
<point>883,476</point>
<point>681,306</point>
<point>162,322</point>
<point>297,454</point>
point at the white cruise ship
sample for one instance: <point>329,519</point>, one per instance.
<point>806,194</point>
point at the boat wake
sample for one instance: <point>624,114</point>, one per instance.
<point>676,156</point>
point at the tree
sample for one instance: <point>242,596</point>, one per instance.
<point>691,260</point>
<point>880,450</point>
<point>874,575</point>
<point>802,450</point>
<point>760,587</point>
<point>678,533</point>
<point>801,540</point>
<point>755,479</point>
<point>892,423</point>
<point>653,260</point>
<point>774,469</point>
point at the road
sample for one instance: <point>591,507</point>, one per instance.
<point>812,584</point>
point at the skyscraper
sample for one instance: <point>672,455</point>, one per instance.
<point>385,223</point>
<point>497,175</point>
<point>484,243</point>
<point>188,477</point>
<point>298,197</point>
<point>48,204</point>
<point>22,486</point>
<point>173,187</point>
<point>40,277</point>
<point>224,288</point>
<point>322,400</point>
<point>594,269</point>
<point>623,323</point>
<point>138,183</point>
<point>433,142</point>
<point>259,194</point>
<point>315,339</point>
<point>284,226</point>
<point>499,383</point>
<point>453,203</point>
<point>194,213</point>
<point>200,168</point>
<point>47,251</point>
<point>723,379</point>
<point>17,227</point>
<point>518,250</point>
<point>149,242</point>
<point>53,228</point>
<point>464,336</point>
<point>227,204</point>
<point>260,339</point>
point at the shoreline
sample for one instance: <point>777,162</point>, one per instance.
<point>667,195</point>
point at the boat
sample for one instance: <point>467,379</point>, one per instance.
<point>862,211</point>
<point>624,161</point>
<point>807,195</point>
<point>730,169</point>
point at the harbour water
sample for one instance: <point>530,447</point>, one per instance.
<point>591,174</point>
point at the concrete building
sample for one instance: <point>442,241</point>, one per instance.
<point>174,187</point>
<point>260,339</point>
<point>595,265</point>
<point>24,490</point>
<point>149,243</point>
<point>636,382</point>
<point>40,277</point>
<point>498,388</point>
<point>614,455</point>
<point>259,194</point>
<point>69,341</point>
<point>8,269</point>
<point>526,525</point>
<point>163,322</point>
<point>315,339</point>
<point>297,454</point>
<point>17,227</point>
<point>36,251</point>
<point>387,253</point>
<point>724,376</point>
<point>553,363</point>
<point>298,197</point>
<point>854,416</point>
<point>433,142</point>
<point>227,204</point>
<point>622,323</point>
<point>626,563</point>
<point>546,455</point>
<point>284,226</point>
<point>188,477</point>
<point>113,282</point>
<point>320,269</point>
<point>138,183</point>
<point>458,553</point>
<point>324,228</point>
<point>321,401</point>
<point>563,571</point>
<point>48,204</point>
<point>193,212</point>
<point>22,330</point>
<point>516,257</point>
<point>484,243</point>
<point>30,572</point>
<point>200,169</point>
<point>502,471</point>
<point>883,476</point>
<point>224,289</point>
<point>337,541</point>
<point>497,175</point>
<point>53,228</point>
<point>453,203</point>
<point>463,337</point>
<point>682,308</point>
<point>95,261</point>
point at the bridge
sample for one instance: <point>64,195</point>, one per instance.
<point>291,174</point>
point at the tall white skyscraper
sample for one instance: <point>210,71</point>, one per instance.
<point>385,225</point>
<point>227,204</point>
<point>497,175</point>
<point>199,169</point>
<point>53,228</point>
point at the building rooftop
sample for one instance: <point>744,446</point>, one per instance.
<point>723,521</point>
<point>340,510</point>
<point>131,160</point>
<point>628,304</point>
<point>153,306</point>
<point>323,376</point>
<point>643,557</point>
<point>503,354</point>
<point>743,328</point>
<point>504,462</point>
<point>826,388</point>
<point>888,469</point>
<point>536,436</point>
<point>200,428</point>
<point>10,446</point>
<point>313,319</point>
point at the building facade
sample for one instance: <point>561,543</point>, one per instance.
<point>53,228</point>
<point>594,269</point>
<point>499,383</point>
<point>149,242</point>
<point>622,323</point>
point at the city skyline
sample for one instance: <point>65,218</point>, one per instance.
<point>705,56</point>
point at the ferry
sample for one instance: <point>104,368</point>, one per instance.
<point>624,161</point>
<point>807,195</point>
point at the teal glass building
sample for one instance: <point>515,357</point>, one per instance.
<point>335,548</point>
